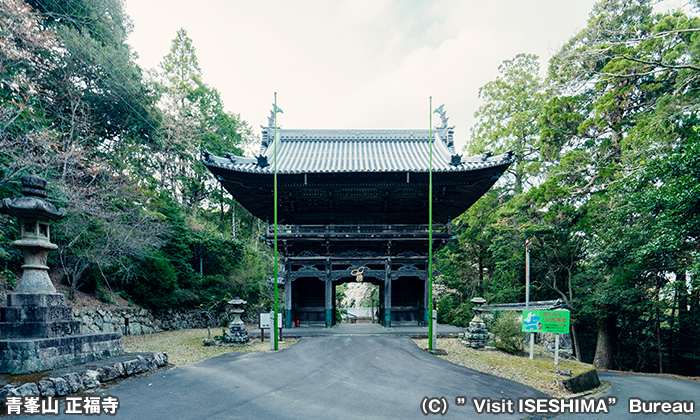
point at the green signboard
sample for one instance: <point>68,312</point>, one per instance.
<point>553,321</point>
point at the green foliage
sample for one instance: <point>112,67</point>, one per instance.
<point>8,280</point>
<point>104,295</point>
<point>508,118</point>
<point>452,312</point>
<point>506,328</point>
<point>158,283</point>
<point>609,189</point>
<point>339,311</point>
<point>77,109</point>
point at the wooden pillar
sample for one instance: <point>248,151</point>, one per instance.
<point>288,295</point>
<point>329,294</point>
<point>387,292</point>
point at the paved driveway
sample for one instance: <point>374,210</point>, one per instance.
<point>648,388</point>
<point>342,377</point>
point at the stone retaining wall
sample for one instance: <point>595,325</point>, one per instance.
<point>86,379</point>
<point>137,321</point>
<point>583,382</point>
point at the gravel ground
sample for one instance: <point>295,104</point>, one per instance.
<point>185,346</point>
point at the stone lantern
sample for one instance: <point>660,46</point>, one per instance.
<point>37,330</point>
<point>236,329</point>
<point>33,214</point>
<point>476,335</point>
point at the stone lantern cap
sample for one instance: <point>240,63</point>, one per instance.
<point>237,301</point>
<point>478,300</point>
<point>32,205</point>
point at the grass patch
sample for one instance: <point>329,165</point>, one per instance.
<point>185,346</point>
<point>539,373</point>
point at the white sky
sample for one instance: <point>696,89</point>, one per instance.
<point>354,63</point>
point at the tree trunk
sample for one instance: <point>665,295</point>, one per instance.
<point>695,319</point>
<point>481,273</point>
<point>671,335</point>
<point>574,338</point>
<point>685,330</point>
<point>605,344</point>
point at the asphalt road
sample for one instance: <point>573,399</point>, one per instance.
<point>346,377</point>
<point>355,377</point>
<point>648,388</point>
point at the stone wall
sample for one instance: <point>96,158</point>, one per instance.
<point>565,344</point>
<point>137,321</point>
<point>86,378</point>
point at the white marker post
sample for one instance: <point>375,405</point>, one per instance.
<point>527,292</point>
<point>273,332</point>
<point>433,320</point>
<point>556,349</point>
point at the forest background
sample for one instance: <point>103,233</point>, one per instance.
<point>605,186</point>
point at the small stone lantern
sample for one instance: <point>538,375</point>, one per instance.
<point>33,214</point>
<point>476,335</point>
<point>236,329</point>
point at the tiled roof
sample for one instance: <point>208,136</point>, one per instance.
<point>332,151</point>
<point>540,305</point>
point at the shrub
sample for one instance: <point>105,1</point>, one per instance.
<point>506,327</point>
<point>104,295</point>
<point>157,284</point>
<point>185,298</point>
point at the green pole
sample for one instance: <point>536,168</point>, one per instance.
<point>431,345</point>
<point>276,331</point>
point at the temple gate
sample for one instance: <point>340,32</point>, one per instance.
<point>353,206</point>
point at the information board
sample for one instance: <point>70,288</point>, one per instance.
<point>553,321</point>
<point>265,320</point>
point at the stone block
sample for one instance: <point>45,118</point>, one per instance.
<point>583,382</point>
<point>108,373</point>
<point>75,382</point>
<point>91,379</point>
<point>120,368</point>
<point>161,358</point>
<point>131,367</point>
<point>39,329</point>
<point>46,388</point>
<point>33,355</point>
<point>36,299</point>
<point>17,314</point>
<point>28,390</point>
<point>152,364</point>
<point>61,386</point>
<point>13,392</point>
<point>4,391</point>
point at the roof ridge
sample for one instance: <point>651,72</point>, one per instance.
<point>390,135</point>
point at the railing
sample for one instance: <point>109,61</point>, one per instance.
<point>355,231</point>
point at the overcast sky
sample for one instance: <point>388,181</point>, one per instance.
<point>354,63</point>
